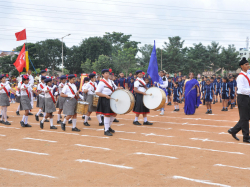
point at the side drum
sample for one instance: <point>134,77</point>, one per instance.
<point>122,101</point>
<point>155,98</point>
<point>82,107</point>
<point>95,100</point>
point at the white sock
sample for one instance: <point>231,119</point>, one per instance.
<point>5,113</point>
<point>18,108</point>
<point>51,122</point>
<point>99,118</point>
<point>58,117</point>
<point>83,115</point>
<point>64,121</point>
<point>145,119</point>
<point>43,119</point>
<point>2,114</point>
<point>174,106</point>
<point>106,123</point>
<point>136,118</point>
<point>111,120</point>
<point>44,114</point>
<point>23,118</point>
<point>177,106</point>
<point>86,118</point>
<point>26,120</point>
<point>74,123</point>
<point>39,112</point>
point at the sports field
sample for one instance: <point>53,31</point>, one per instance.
<point>178,150</point>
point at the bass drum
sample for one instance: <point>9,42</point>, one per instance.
<point>122,101</point>
<point>155,98</point>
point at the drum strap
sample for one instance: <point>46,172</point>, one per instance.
<point>5,91</point>
<point>72,91</point>
<point>52,97</point>
<point>143,85</point>
<point>245,77</point>
<point>107,84</point>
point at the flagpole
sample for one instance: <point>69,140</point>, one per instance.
<point>161,59</point>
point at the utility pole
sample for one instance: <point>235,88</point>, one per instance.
<point>62,51</point>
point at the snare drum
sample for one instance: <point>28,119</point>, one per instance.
<point>95,100</point>
<point>122,101</point>
<point>82,107</point>
<point>155,98</point>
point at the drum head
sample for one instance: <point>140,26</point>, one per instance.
<point>153,101</point>
<point>123,104</point>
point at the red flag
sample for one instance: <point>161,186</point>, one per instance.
<point>20,61</point>
<point>21,35</point>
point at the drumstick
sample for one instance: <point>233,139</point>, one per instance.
<point>114,99</point>
<point>149,94</point>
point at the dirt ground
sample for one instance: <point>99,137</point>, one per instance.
<point>178,150</point>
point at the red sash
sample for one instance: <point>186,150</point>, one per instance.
<point>27,92</point>
<point>92,85</point>
<point>52,97</point>
<point>72,91</point>
<point>5,90</point>
<point>141,83</point>
<point>41,86</point>
<point>246,77</point>
<point>107,84</point>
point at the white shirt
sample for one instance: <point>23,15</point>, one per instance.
<point>19,78</point>
<point>31,79</point>
<point>60,87</point>
<point>19,85</point>
<point>66,90</point>
<point>165,83</point>
<point>6,85</point>
<point>39,88</point>
<point>138,85</point>
<point>102,88</point>
<point>243,84</point>
<point>90,88</point>
<point>47,95</point>
<point>23,92</point>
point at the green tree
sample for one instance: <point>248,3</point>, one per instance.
<point>214,55</point>
<point>229,58</point>
<point>87,66</point>
<point>103,62</point>
<point>73,60</point>
<point>7,67</point>
<point>145,51</point>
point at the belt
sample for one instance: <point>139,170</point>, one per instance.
<point>243,95</point>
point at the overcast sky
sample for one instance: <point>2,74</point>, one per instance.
<point>224,21</point>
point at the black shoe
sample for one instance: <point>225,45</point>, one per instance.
<point>233,135</point>
<point>46,120</point>
<point>232,106</point>
<point>86,124</point>
<point>223,109</point>
<point>41,115</point>
<point>70,122</point>
<point>60,116</point>
<point>53,127</point>
<point>41,124</point>
<point>27,125</point>
<point>89,119</point>
<point>102,117</point>
<point>107,133</point>
<point>22,123</point>
<point>63,126</point>
<point>76,129</point>
<point>226,109</point>
<point>170,104</point>
<point>83,117</point>
<point>101,124</point>
<point>111,130</point>
<point>207,112</point>
<point>147,123</point>
<point>210,112</point>
<point>178,110</point>
<point>6,123</point>
<point>30,114</point>
<point>214,102</point>
<point>175,110</point>
<point>0,116</point>
<point>136,123</point>
<point>7,117</point>
<point>1,121</point>
<point>115,120</point>
<point>59,122</point>
<point>17,113</point>
<point>37,118</point>
<point>246,140</point>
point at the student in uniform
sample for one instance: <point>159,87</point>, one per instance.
<point>43,73</point>
<point>175,78</point>
<point>139,108</point>
<point>91,89</point>
<point>170,88</point>
<point>148,84</point>
<point>225,91</point>
<point>208,92</point>
<point>232,85</point>
<point>218,89</point>
<point>176,96</point>
<point>4,98</point>
<point>26,94</point>
<point>85,92</point>
<point>243,93</point>
<point>49,103</point>
<point>40,99</point>
<point>180,86</point>
<point>71,94</point>
<point>213,83</point>
<point>104,90</point>
<point>60,101</point>
<point>18,97</point>
<point>122,81</point>
<point>111,77</point>
<point>163,86</point>
<point>131,86</point>
<point>115,80</point>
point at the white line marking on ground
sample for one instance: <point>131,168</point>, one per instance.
<point>9,127</point>
<point>156,128</point>
<point>94,136</point>
<point>25,172</point>
<point>199,148</point>
<point>229,134</point>
<point>200,181</point>
<point>148,154</point>
<point>101,163</point>
<point>193,130</point>
<point>103,130</point>
<point>27,138</point>
<point>27,151</point>
<point>107,149</point>
<point>152,134</point>
<point>232,166</point>
<point>2,135</point>
<point>207,140</point>
<point>59,132</point>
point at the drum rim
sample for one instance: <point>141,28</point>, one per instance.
<point>164,97</point>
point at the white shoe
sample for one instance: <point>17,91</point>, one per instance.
<point>162,113</point>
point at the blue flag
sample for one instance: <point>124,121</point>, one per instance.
<point>153,67</point>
